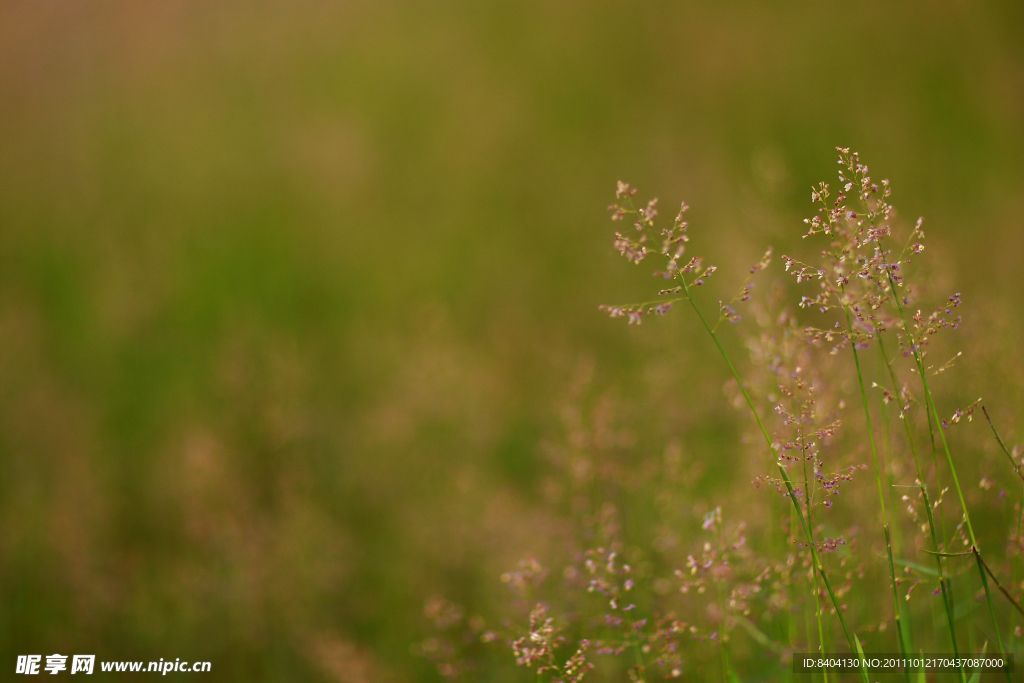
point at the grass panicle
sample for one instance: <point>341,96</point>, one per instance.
<point>642,595</point>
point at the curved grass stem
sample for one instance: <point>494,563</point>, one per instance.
<point>785,475</point>
<point>810,523</point>
<point>949,459</point>
<point>1020,516</point>
<point>944,584</point>
<point>1002,444</point>
<point>901,636</point>
<point>727,672</point>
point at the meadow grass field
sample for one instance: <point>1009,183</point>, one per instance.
<point>303,370</point>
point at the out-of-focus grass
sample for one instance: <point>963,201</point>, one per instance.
<point>288,292</point>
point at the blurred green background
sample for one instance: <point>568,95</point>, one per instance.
<point>289,291</point>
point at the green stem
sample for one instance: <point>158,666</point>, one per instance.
<point>782,470</point>
<point>989,571</point>
<point>640,661</point>
<point>1020,518</point>
<point>1016,558</point>
<point>814,576</point>
<point>949,459</point>
<point>1013,463</point>
<point>881,494</point>
<point>724,632</point>
<point>947,598</point>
